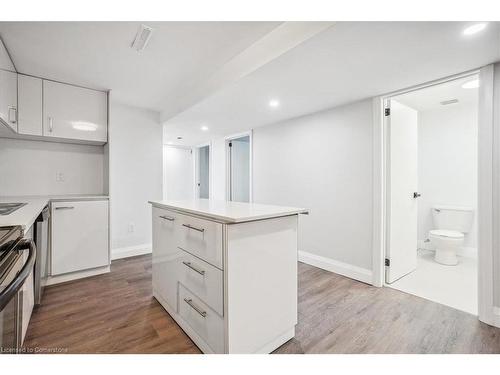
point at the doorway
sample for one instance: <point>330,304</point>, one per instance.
<point>177,173</point>
<point>239,168</point>
<point>202,171</point>
<point>431,192</point>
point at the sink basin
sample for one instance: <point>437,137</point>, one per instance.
<point>8,208</point>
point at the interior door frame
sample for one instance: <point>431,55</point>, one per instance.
<point>228,139</point>
<point>196,150</point>
<point>488,187</point>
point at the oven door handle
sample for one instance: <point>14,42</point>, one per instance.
<point>10,291</point>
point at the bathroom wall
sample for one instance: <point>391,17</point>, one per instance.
<point>447,164</point>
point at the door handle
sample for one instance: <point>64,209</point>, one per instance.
<point>189,226</point>
<point>416,195</point>
<point>165,217</point>
<point>189,301</point>
<point>51,125</point>
<point>12,119</point>
<point>189,265</point>
<point>65,208</point>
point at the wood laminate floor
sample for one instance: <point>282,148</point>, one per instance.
<point>116,313</point>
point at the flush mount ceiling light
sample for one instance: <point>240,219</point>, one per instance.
<point>84,126</point>
<point>204,128</point>
<point>473,29</point>
<point>142,38</point>
<point>274,103</point>
<point>474,84</point>
<point>179,138</point>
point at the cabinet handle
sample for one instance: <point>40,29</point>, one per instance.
<point>51,125</point>
<point>65,208</point>
<point>13,119</point>
<point>193,228</point>
<point>169,218</point>
<point>195,308</point>
<point>189,265</point>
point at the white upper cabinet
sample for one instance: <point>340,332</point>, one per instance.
<point>72,112</point>
<point>30,105</point>
<point>8,98</point>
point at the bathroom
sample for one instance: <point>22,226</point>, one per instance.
<point>445,121</point>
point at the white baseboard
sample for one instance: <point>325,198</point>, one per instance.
<point>131,251</point>
<point>344,269</point>
<point>52,280</point>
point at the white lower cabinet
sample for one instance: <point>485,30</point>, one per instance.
<point>79,235</point>
<point>203,320</point>
<point>231,287</point>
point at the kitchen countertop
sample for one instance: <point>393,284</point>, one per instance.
<point>229,212</point>
<point>26,215</point>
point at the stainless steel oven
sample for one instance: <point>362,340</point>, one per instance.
<point>13,273</point>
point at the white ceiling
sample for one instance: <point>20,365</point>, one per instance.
<point>349,61</point>
<point>430,98</point>
<point>306,66</point>
<point>98,54</point>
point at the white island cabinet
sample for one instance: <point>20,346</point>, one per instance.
<point>227,272</point>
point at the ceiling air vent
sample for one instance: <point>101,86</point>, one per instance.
<point>451,101</point>
<point>142,38</point>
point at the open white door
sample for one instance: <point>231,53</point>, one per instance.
<point>401,252</point>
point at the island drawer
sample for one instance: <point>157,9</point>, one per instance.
<point>202,319</point>
<point>200,237</point>
<point>202,279</point>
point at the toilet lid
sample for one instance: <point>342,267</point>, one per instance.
<point>447,233</point>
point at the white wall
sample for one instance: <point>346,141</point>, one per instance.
<point>322,162</point>
<point>447,163</point>
<point>178,173</point>
<point>135,155</point>
<point>30,168</point>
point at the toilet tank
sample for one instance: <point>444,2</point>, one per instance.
<point>453,218</point>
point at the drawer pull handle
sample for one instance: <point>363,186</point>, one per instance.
<point>169,218</point>
<point>65,208</point>
<point>195,308</point>
<point>193,228</point>
<point>189,265</point>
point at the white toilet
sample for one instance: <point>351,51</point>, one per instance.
<point>451,222</point>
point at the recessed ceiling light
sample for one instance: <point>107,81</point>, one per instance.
<point>474,84</point>
<point>274,103</point>
<point>474,28</point>
<point>204,128</point>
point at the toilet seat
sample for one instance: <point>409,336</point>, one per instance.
<point>446,233</point>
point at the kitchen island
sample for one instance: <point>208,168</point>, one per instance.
<point>227,272</point>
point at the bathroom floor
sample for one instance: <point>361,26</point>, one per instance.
<point>454,286</point>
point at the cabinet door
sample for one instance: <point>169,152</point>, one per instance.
<point>30,105</point>
<point>166,256</point>
<point>73,112</point>
<point>8,98</point>
<point>79,236</point>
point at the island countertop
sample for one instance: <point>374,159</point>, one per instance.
<point>228,212</point>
